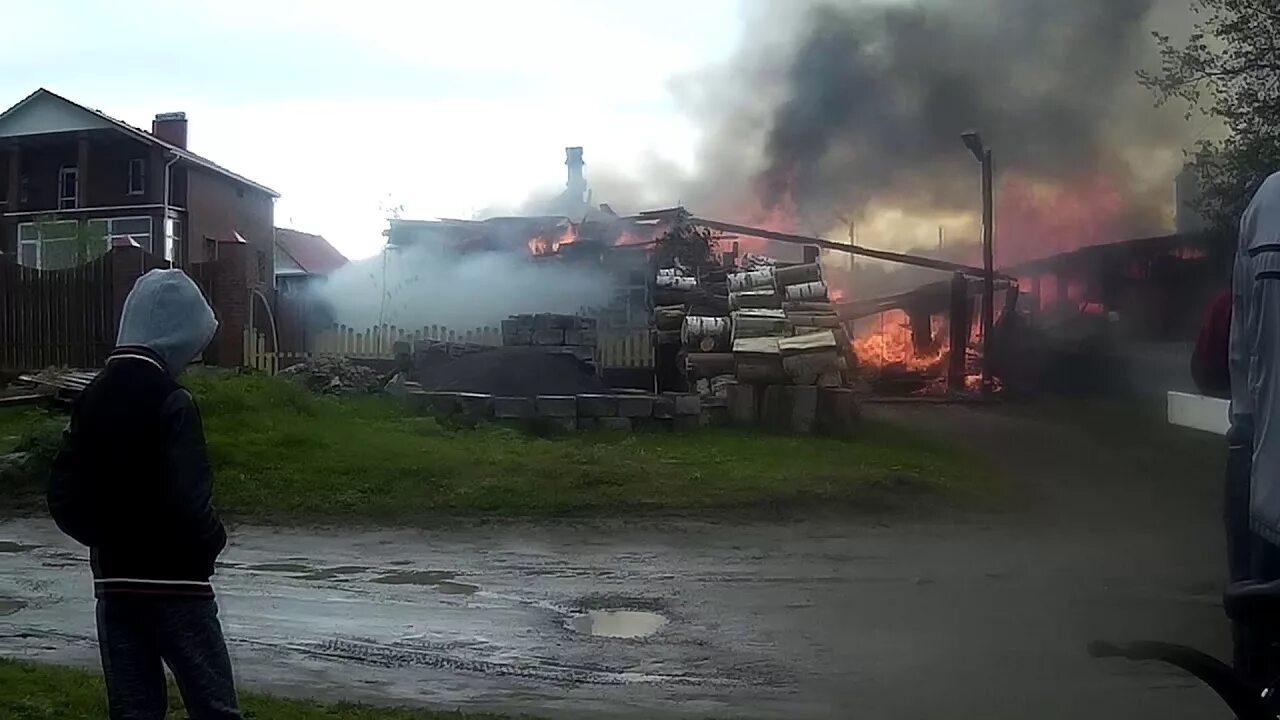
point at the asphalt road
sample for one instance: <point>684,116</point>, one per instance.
<point>985,616</point>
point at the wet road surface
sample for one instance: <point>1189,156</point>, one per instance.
<point>984,617</point>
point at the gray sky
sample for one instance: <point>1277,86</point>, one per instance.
<point>346,108</point>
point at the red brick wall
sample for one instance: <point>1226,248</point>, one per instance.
<point>218,207</point>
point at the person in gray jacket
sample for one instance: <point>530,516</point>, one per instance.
<point>132,483</point>
<point>1253,465</point>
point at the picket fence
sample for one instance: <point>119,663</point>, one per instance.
<point>622,348</point>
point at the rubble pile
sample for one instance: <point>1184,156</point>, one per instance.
<point>335,375</point>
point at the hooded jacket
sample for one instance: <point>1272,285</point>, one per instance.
<point>1255,354</point>
<point>132,479</point>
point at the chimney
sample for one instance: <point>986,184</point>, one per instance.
<point>171,127</point>
<point>576,185</point>
<point>1187,197</point>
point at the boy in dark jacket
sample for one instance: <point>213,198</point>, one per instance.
<point>132,483</point>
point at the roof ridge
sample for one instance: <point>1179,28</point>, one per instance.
<point>188,155</point>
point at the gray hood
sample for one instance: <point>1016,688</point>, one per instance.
<point>167,313</point>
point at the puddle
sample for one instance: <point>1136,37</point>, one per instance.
<point>15,547</point>
<point>416,577</point>
<point>334,573</point>
<point>280,567</point>
<point>625,624</point>
<point>9,606</point>
<point>449,587</point>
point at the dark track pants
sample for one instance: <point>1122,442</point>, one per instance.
<point>139,634</point>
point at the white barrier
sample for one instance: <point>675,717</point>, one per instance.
<point>1199,412</point>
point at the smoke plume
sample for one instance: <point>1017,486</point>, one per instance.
<point>429,285</point>
<point>842,112</point>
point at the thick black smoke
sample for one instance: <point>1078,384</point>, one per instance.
<point>842,105</point>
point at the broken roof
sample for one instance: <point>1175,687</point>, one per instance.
<point>146,137</point>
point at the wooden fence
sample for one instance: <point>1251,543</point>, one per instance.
<point>625,348</point>
<point>60,317</point>
<point>630,348</point>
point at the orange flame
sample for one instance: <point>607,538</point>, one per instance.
<point>545,245</point>
<point>889,342</point>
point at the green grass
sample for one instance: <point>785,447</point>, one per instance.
<point>32,691</point>
<point>283,454</point>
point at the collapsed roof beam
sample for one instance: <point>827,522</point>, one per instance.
<point>885,255</point>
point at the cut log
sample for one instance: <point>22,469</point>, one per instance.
<point>753,280</point>
<point>744,404</point>
<point>759,323</point>
<point>810,292</point>
<point>707,334</point>
<point>755,300</point>
<point>708,365</point>
<point>669,317</point>
<point>808,368</point>
<point>798,274</point>
<point>837,411</point>
<point>808,357</point>
<point>808,306</point>
<point>813,320</point>
<point>758,360</point>
<point>814,342</point>
<point>676,282</point>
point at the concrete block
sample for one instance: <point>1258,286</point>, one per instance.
<point>595,406</point>
<point>543,321</point>
<point>586,424</point>
<point>556,406</point>
<point>417,403</point>
<point>442,403</point>
<point>614,424</point>
<point>573,337</point>
<point>664,407</point>
<point>775,408</point>
<point>519,338</point>
<point>556,425</point>
<point>717,416</point>
<point>475,405</point>
<point>551,321</point>
<point>804,408</point>
<point>744,404</point>
<point>687,423</point>
<point>838,411</point>
<point>548,337</point>
<point>635,406</point>
<point>517,408</point>
<point>652,424</point>
<point>687,404</point>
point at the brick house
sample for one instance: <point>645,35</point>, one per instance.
<point>75,183</point>
<point>65,167</point>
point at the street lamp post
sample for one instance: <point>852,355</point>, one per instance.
<point>973,141</point>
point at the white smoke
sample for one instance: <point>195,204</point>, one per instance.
<point>421,286</point>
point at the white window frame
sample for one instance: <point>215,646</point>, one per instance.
<point>40,241</point>
<point>111,237</point>
<point>171,236</point>
<point>138,175</point>
<point>68,202</point>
